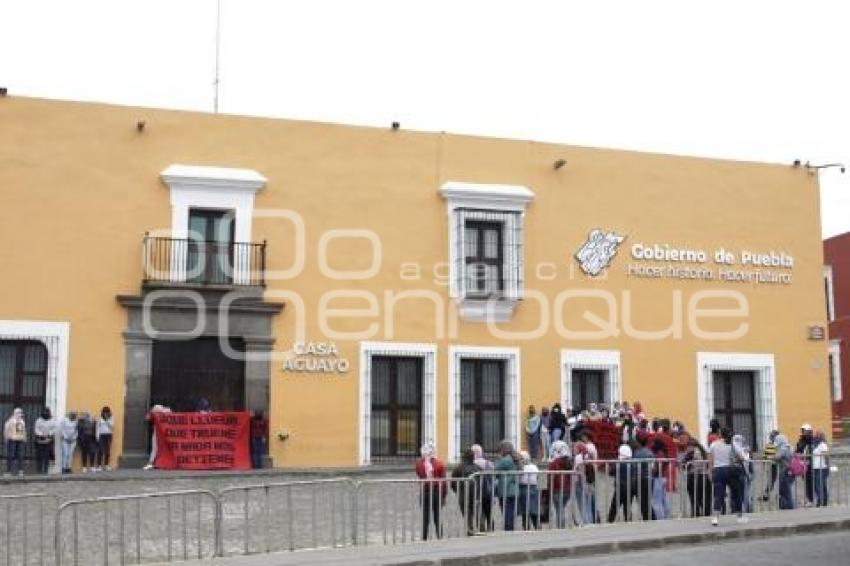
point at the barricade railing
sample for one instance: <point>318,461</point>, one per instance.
<point>546,499</point>
<point>626,490</point>
<point>394,511</point>
<point>27,525</point>
<point>336,512</point>
<point>147,527</point>
<point>404,510</point>
<point>287,516</point>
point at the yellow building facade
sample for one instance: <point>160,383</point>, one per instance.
<point>372,289</point>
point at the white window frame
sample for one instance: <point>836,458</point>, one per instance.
<point>764,367</point>
<point>58,348</point>
<point>605,360</point>
<point>513,388</point>
<point>471,201</point>
<point>428,353</point>
<point>830,293</point>
<point>214,188</point>
<point>835,378</point>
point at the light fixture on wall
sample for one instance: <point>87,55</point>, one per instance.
<point>811,167</point>
<point>559,163</point>
<point>3,91</point>
<point>395,126</point>
<point>140,126</point>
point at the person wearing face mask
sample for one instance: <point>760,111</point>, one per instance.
<point>104,438</point>
<point>68,440</point>
<point>45,432</point>
<point>533,425</point>
<point>432,487</point>
<point>557,423</point>
<point>15,435</point>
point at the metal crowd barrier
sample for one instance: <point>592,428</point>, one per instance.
<point>626,490</point>
<point>26,526</point>
<point>263,518</point>
<point>200,524</point>
<point>148,527</point>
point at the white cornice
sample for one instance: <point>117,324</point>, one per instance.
<point>487,196</point>
<point>190,176</point>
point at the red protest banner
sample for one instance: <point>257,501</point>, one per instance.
<point>606,437</point>
<point>202,441</point>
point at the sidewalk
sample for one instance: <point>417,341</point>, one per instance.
<point>524,547</point>
<point>281,474</point>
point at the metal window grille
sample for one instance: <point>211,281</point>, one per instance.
<point>510,280</point>
<point>510,392</point>
<point>44,367</point>
<point>427,430</point>
<point>611,386</point>
<point>763,402</point>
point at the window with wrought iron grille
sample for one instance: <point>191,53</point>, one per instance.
<point>398,384</point>
<point>486,246</point>
<point>482,403</point>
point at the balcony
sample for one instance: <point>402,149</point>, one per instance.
<point>199,263</point>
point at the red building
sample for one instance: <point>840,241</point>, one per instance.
<point>836,253</point>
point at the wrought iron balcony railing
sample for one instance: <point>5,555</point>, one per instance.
<point>197,262</point>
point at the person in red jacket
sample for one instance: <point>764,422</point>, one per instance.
<point>432,487</point>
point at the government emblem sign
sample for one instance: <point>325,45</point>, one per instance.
<point>598,251</point>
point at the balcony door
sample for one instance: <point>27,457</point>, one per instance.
<point>209,257</point>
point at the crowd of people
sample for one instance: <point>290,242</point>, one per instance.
<point>91,434</point>
<point>642,462</point>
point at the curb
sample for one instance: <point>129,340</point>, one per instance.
<point>727,534</point>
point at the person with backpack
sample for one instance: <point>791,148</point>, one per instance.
<point>820,469</point>
<point>432,488</point>
<point>560,480</point>
<point>784,460</point>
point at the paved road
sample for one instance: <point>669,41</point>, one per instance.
<point>832,549</point>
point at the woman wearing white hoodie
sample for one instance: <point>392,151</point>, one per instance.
<point>15,435</point>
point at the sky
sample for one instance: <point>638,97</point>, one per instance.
<point>748,80</point>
